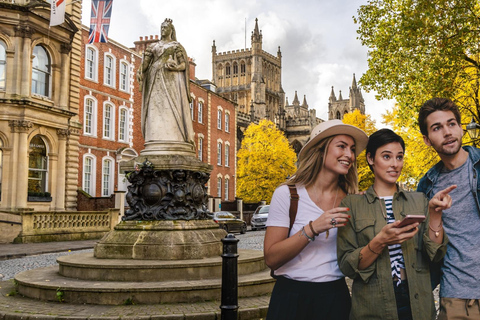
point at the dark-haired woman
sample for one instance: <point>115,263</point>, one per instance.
<point>309,283</point>
<point>389,264</point>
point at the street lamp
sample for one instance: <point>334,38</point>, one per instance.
<point>473,130</point>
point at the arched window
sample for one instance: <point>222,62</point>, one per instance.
<point>107,177</point>
<point>37,166</point>
<point>219,119</point>
<point>109,70</point>
<point>3,64</point>
<point>339,116</point>
<point>108,121</point>
<point>227,122</point>
<point>235,68</point>
<point>227,70</point>
<point>90,117</point>
<point>123,125</point>
<point>91,63</point>
<point>41,70</point>
<point>242,68</point>
<point>88,184</point>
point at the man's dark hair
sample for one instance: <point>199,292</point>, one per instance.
<point>436,104</point>
<point>381,138</point>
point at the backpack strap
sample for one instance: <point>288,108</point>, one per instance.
<point>294,197</point>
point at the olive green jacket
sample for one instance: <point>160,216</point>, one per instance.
<point>373,295</point>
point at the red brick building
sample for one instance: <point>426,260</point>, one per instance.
<point>214,123</point>
<point>110,112</point>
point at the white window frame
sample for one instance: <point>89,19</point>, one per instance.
<point>126,124</point>
<point>219,153</point>
<point>93,132</point>
<point>92,176</point>
<point>227,154</point>
<point>200,111</point>
<point>107,190</point>
<point>219,119</point>
<point>47,92</point>
<point>111,122</point>
<point>3,66</point>
<point>124,85</point>
<point>109,71</point>
<point>226,187</point>
<point>227,121</point>
<point>219,187</point>
<point>93,73</point>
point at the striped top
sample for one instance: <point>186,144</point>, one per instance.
<point>395,250</point>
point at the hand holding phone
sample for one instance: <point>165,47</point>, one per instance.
<point>409,219</point>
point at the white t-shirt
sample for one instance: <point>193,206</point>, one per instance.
<point>317,262</point>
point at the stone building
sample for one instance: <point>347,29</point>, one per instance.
<point>110,112</point>
<point>39,94</point>
<point>337,108</point>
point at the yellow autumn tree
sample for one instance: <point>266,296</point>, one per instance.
<point>364,122</point>
<point>265,160</point>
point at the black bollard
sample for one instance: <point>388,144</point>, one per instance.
<point>229,307</point>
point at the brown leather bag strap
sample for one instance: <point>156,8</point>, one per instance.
<point>294,197</point>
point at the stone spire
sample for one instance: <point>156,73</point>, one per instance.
<point>305,104</point>
<point>340,95</point>
<point>296,102</point>
<point>256,34</point>
<point>354,82</point>
<point>332,96</point>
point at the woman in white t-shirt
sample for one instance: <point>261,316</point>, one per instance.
<point>309,283</point>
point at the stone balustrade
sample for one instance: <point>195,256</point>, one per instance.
<point>38,226</point>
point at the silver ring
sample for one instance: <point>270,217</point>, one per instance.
<point>333,222</point>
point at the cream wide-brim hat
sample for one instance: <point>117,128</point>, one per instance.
<point>332,128</point>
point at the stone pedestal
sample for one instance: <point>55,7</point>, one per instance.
<point>162,240</point>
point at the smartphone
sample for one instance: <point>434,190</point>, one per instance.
<point>409,219</point>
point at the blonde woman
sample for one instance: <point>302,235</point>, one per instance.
<point>309,283</point>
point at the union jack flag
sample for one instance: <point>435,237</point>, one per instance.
<point>100,20</point>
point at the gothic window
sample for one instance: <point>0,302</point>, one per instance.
<point>109,70</point>
<point>242,68</point>
<point>227,70</point>
<point>123,124</point>
<point>338,115</point>
<point>41,71</point>
<point>37,166</point>
<point>235,68</point>
<point>124,76</point>
<point>3,64</point>
<point>88,184</point>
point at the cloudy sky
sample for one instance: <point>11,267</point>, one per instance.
<point>317,39</point>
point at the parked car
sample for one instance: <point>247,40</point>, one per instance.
<point>259,218</point>
<point>228,222</point>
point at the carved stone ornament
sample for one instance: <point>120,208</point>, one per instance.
<point>20,126</point>
<point>166,194</point>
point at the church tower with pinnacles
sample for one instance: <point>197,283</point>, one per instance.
<point>337,108</point>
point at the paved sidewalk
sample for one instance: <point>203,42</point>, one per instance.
<point>18,250</point>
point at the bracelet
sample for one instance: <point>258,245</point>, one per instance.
<point>368,246</point>
<point>310,239</point>
<point>310,223</point>
<point>437,232</point>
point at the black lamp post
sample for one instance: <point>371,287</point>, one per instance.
<point>473,130</point>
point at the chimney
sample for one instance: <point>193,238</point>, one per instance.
<point>192,66</point>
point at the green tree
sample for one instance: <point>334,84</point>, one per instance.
<point>265,160</point>
<point>364,122</point>
<point>422,49</point>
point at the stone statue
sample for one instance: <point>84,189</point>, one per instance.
<point>164,82</point>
